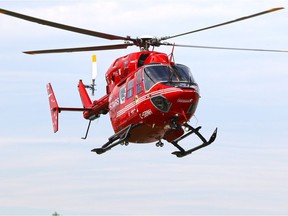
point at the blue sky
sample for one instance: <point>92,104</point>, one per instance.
<point>244,94</point>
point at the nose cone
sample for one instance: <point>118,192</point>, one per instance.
<point>184,104</point>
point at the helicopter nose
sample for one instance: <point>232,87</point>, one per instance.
<point>191,110</point>
<point>186,103</point>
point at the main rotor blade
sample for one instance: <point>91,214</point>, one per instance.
<point>64,27</point>
<point>224,48</point>
<point>81,49</point>
<point>225,23</point>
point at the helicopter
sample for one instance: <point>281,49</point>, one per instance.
<point>149,97</point>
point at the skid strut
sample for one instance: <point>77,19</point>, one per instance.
<point>87,131</point>
<point>116,139</point>
<point>191,130</point>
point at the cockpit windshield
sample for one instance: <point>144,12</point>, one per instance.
<point>177,75</point>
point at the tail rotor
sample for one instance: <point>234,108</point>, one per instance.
<point>92,87</point>
<point>94,73</point>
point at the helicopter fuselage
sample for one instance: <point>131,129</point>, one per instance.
<point>148,88</point>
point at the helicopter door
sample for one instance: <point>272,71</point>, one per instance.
<point>139,84</point>
<point>134,92</point>
<point>139,88</point>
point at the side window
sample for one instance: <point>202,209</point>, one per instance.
<point>149,82</point>
<point>122,94</point>
<point>130,88</point>
<point>139,87</point>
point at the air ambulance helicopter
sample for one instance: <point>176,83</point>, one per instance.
<point>149,97</point>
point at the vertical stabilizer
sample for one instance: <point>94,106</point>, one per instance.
<point>86,101</point>
<point>54,109</point>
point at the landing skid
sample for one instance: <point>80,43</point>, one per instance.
<point>116,139</point>
<point>191,130</point>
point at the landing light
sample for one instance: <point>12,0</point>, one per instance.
<point>186,129</point>
<point>161,103</point>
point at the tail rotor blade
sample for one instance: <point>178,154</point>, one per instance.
<point>94,67</point>
<point>94,73</point>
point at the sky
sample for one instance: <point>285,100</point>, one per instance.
<point>244,94</point>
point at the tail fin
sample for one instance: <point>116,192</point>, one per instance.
<point>86,101</point>
<point>54,108</point>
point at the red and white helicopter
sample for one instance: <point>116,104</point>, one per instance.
<point>149,97</point>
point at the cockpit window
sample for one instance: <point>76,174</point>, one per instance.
<point>173,75</point>
<point>183,73</point>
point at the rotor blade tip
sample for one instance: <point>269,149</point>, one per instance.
<point>275,9</point>
<point>27,52</point>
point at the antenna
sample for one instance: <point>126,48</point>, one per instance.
<point>172,54</point>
